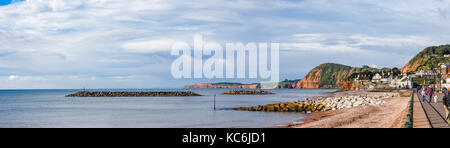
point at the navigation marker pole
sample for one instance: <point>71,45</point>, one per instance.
<point>214,101</point>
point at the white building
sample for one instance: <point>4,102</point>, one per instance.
<point>377,78</point>
<point>428,73</point>
<point>404,82</point>
<point>445,68</point>
<point>447,84</point>
<point>385,80</point>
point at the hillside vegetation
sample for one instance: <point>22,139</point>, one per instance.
<point>427,59</point>
<point>328,75</point>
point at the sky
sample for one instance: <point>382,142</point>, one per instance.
<point>126,43</point>
<point>5,2</point>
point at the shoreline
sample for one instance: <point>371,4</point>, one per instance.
<point>389,115</point>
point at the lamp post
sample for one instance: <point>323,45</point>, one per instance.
<point>440,78</point>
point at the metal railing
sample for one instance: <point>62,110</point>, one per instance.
<point>409,116</point>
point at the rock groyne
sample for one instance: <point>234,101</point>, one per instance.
<point>248,92</point>
<point>320,104</point>
<point>225,85</point>
<point>132,94</point>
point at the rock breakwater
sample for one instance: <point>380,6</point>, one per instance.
<point>318,104</point>
<point>247,92</point>
<point>133,94</point>
<point>225,85</point>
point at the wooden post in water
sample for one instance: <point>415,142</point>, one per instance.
<point>214,101</point>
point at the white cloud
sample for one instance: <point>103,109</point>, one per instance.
<point>13,77</point>
<point>357,42</point>
<point>363,40</point>
<point>101,39</point>
<point>26,78</point>
<point>151,46</point>
<point>318,47</point>
<point>213,16</point>
<point>396,41</point>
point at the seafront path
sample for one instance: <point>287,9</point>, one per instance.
<point>429,115</point>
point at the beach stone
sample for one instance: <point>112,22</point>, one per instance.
<point>316,104</point>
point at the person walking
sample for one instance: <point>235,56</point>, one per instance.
<point>423,93</point>
<point>430,93</point>
<point>446,101</point>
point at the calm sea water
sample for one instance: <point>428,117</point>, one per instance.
<point>49,108</point>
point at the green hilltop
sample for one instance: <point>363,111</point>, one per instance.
<point>332,74</point>
<point>427,59</point>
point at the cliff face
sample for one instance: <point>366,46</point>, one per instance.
<point>428,58</point>
<point>328,75</point>
<point>233,86</point>
<point>311,80</point>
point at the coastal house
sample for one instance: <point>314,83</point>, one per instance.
<point>426,73</point>
<point>403,82</point>
<point>383,79</point>
<point>362,78</point>
<point>445,75</point>
<point>446,83</point>
<point>377,78</point>
<point>445,69</point>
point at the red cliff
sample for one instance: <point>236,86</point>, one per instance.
<point>328,75</point>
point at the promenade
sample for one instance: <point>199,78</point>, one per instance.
<point>429,115</point>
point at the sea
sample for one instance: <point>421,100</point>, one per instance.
<point>51,109</point>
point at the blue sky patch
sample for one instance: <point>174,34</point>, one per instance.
<point>5,2</point>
